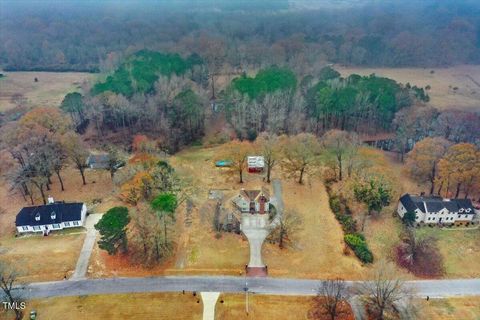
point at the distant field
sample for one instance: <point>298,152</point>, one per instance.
<point>442,81</point>
<point>47,92</point>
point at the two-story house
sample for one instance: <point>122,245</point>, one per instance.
<point>253,201</point>
<point>437,210</point>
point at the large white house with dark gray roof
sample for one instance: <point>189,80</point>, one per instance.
<point>50,217</point>
<point>437,210</point>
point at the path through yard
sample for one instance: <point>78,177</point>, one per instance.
<point>84,258</point>
<point>209,301</point>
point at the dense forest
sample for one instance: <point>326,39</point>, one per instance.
<point>95,35</point>
<point>159,62</point>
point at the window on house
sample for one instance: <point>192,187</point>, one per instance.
<point>37,217</point>
<point>55,226</point>
<point>25,228</point>
<point>36,227</point>
<point>75,223</point>
<point>67,224</point>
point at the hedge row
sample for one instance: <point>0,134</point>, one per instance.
<point>356,241</point>
<point>342,213</point>
<point>358,244</point>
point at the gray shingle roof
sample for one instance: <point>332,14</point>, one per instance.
<point>435,204</point>
<point>63,212</point>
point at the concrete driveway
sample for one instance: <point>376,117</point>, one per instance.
<point>89,242</point>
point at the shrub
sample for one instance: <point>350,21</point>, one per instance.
<point>358,244</point>
<point>348,224</point>
<point>335,204</point>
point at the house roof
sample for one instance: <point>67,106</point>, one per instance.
<point>255,161</point>
<point>98,158</point>
<point>63,212</point>
<point>435,204</point>
<point>252,195</point>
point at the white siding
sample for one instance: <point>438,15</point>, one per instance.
<point>59,226</point>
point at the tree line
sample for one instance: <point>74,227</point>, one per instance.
<point>42,143</point>
<point>93,36</point>
<point>450,169</point>
<point>321,102</point>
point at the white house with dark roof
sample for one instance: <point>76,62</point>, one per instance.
<point>436,210</point>
<point>49,217</point>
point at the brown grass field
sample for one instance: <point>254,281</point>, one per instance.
<point>466,308</point>
<point>318,250</point>
<point>264,307</point>
<point>460,251</point>
<point>442,96</point>
<point>39,258</point>
<point>49,91</point>
<point>119,306</point>
<point>199,252</point>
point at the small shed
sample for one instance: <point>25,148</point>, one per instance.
<point>255,163</point>
<point>98,161</point>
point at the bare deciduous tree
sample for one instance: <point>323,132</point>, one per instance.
<point>268,145</point>
<point>288,225</point>
<point>330,296</point>
<point>382,290</point>
<point>11,289</point>
<point>301,153</point>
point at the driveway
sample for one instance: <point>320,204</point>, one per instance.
<point>277,201</point>
<point>255,228</point>
<point>89,242</point>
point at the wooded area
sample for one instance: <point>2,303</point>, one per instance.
<point>429,33</point>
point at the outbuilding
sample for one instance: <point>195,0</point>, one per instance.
<point>255,163</point>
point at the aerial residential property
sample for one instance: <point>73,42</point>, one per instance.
<point>240,159</point>
<point>253,201</point>
<point>437,210</point>
<point>51,217</point>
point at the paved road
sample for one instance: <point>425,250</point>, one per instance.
<point>89,242</point>
<point>432,288</point>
